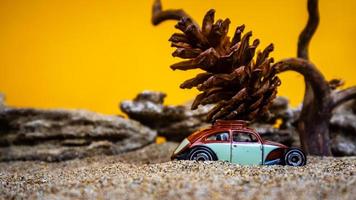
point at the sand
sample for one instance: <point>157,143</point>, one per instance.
<point>148,174</point>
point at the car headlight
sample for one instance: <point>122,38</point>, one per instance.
<point>181,146</point>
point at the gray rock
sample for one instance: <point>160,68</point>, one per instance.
<point>172,122</point>
<point>345,121</point>
<point>152,114</point>
<point>343,130</point>
<point>152,96</point>
<point>56,135</point>
<point>2,101</point>
<point>288,137</point>
<point>279,125</point>
<point>280,110</point>
<point>280,103</point>
<point>343,145</point>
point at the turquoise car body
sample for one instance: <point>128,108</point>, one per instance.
<point>225,143</point>
<point>243,153</point>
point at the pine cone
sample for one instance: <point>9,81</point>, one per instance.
<point>241,87</point>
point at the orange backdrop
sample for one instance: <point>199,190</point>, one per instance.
<point>92,54</point>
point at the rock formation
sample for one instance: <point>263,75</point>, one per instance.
<point>56,135</point>
<point>177,122</point>
<point>172,122</point>
<point>343,130</point>
<point>279,125</point>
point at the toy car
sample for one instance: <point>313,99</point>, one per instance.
<point>234,142</point>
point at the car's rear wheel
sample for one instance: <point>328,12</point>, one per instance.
<point>295,157</point>
<point>202,154</point>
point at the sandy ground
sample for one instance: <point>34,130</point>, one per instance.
<point>148,174</point>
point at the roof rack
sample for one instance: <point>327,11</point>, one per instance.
<point>231,123</point>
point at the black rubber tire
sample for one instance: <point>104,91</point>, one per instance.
<point>202,153</point>
<point>295,157</point>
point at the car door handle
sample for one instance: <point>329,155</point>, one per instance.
<point>234,145</point>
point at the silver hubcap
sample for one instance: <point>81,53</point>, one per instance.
<point>201,155</point>
<point>295,158</point>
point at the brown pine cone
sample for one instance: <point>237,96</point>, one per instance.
<point>241,87</point>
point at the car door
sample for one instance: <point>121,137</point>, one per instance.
<point>246,149</point>
<point>219,142</point>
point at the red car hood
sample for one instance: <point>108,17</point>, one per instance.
<point>274,143</point>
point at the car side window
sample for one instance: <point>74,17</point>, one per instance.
<point>244,137</point>
<point>221,136</point>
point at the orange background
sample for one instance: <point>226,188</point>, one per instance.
<point>93,54</point>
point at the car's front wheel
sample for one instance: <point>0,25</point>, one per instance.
<point>295,157</point>
<point>202,154</point>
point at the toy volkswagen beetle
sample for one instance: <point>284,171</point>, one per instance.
<point>233,141</point>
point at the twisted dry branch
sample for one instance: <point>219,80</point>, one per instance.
<point>159,15</point>
<point>310,72</point>
<point>341,96</point>
<point>309,30</point>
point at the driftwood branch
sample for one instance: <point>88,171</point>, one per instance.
<point>316,111</point>
<point>341,96</point>
<point>309,30</point>
<point>313,124</point>
<point>159,15</point>
<point>310,72</point>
